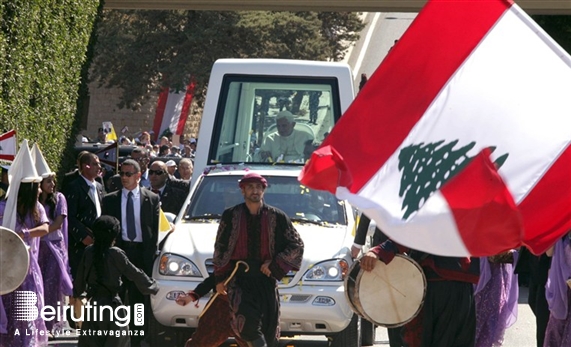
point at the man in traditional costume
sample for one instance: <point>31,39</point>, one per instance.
<point>264,237</point>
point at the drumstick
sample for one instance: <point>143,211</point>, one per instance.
<point>225,283</point>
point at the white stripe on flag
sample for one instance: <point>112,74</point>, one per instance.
<point>173,109</point>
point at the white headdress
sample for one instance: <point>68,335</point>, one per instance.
<point>22,170</point>
<point>42,166</point>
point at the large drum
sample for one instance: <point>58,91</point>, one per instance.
<point>390,295</point>
<point>14,261</point>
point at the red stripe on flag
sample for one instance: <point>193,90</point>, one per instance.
<point>404,85</point>
<point>485,213</point>
<point>160,112</point>
<point>325,173</point>
<point>6,136</point>
<point>185,108</point>
<point>545,210</point>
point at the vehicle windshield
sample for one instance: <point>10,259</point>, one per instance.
<point>216,193</point>
<point>263,119</point>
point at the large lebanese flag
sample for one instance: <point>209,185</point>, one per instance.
<point>172,111</point>
<point>8,145</point>
<point>472,86</point>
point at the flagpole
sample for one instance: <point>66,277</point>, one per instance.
<point>117,157</point>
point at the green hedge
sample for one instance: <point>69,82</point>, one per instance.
<point>43,46</point>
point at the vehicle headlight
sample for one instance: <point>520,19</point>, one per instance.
<point>330,270</point>
<point>175,265</point>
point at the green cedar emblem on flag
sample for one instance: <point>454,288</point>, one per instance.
<point>426,167</point>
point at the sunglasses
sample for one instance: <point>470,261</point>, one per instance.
<point>156,172</point>
<point>126,173</point>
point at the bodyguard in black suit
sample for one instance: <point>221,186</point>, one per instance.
<point>138,210</point>
<point>172,198</point>
<point>84,206</point>
<point>142,157</point>
<point>75,173</point>
<point>84,200</point>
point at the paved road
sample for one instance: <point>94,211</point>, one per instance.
<point>521,334</point>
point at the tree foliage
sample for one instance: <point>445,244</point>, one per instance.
<point>140,51</point>
<point>42,50</point>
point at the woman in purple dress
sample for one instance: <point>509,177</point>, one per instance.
<point>558,294</point>
<point>496,296</point>
<point>31,224</point>
<point>53,250</point>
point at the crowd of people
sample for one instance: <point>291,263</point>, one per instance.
<point>71,233</point>
<point>90,246</point>
<point>164,147</point>
<point>97,241</point>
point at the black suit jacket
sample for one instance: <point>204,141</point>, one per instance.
<point>172,199</point>
<point>81,213</point>
<point>150,205</point>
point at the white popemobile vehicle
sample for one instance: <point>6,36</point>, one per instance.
<point>244,96</point>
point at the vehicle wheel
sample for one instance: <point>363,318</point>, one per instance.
<point>368,331</point>
<point>350,336</point>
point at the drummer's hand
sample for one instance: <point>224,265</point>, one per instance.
<point>221,289</point>
<point>368,261</point>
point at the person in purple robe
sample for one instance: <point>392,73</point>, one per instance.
<point>31,224</point>
<point>496,296</point>
<point>53,250</point>
<point>558,294</point>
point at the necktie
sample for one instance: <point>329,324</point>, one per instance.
<point>156,191</point>
<point>131,232</point>
<point>93,196</point>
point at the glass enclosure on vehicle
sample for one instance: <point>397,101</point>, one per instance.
<point>216,193</point>
<point>246,127</point>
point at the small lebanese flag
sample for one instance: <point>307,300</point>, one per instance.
<point>459,143</point>
<point>172,111</point>
<point>8,146</point>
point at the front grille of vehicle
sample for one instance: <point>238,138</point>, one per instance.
<point>299,298</point>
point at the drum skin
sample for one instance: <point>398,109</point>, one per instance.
<point>14,261</point>
<point>390,295</point>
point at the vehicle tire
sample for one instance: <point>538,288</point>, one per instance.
<point>368,331</point>
<point>350,336</point>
